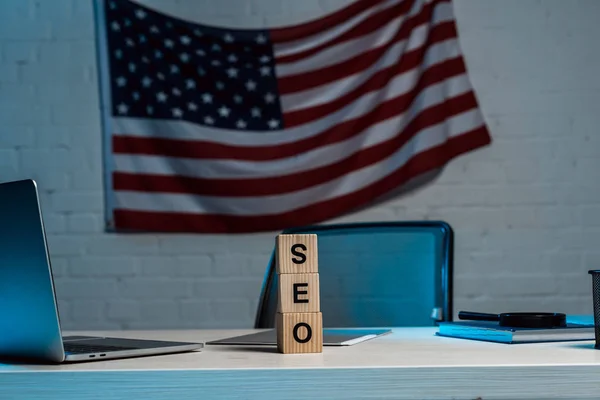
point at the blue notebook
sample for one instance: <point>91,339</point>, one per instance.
<point>490,331</point>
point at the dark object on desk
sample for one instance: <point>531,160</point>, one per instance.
<point>491,331</point>
<point>596,298</point>
<point>519,319</point>
<point>331,337</point>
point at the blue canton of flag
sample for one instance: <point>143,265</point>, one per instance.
<point>210,76</point>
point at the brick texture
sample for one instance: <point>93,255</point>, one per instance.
<point>526,210</point>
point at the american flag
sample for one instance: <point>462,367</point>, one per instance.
<point>220,130</point>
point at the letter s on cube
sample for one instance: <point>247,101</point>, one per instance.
<point>296,254</point>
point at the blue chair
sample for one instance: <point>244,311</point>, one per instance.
<point>377,274</point>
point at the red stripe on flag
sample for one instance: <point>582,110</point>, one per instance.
<point>281,35</point>
<point>314,213</point>
<point>308,80</point>
<point>363,28</point>
<point>433,74</point>
<point>297,181</point>
<point>123,144</point>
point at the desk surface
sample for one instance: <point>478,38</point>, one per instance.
<point>409,363</point>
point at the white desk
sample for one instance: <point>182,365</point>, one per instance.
<point>407,364</point>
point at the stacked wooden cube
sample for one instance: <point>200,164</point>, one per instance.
<point>299,320</point>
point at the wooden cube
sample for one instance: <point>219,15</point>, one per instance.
<point>298,293</point>
<point>299,333</point>
<point>296,254</point>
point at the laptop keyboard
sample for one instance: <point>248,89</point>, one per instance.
<point>86,348</point>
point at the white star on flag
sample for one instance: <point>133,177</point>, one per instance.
<point>269,97</point>
<point>161,97</point>
<point>265,70</point>
<point>224,111</point>
<point>232,72</point>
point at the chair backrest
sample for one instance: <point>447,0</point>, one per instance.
<point>377,274</point>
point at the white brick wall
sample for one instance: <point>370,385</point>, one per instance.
<point>526,210</point>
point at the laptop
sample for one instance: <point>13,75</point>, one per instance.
<point>29,316</point>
